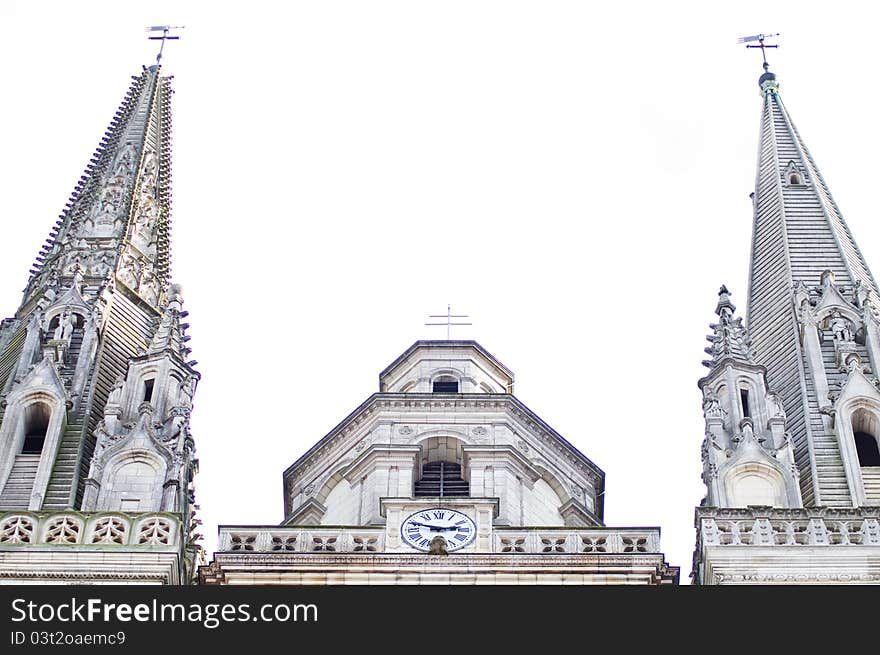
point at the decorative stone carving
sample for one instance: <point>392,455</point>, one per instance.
<point>712,406</point>
<point>128,270</point>
<point>17,530</point>
<point>149,285</point>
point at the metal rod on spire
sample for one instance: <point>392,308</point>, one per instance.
<point>449,323</point>
<point>165,37</point>
<point>760,39</point>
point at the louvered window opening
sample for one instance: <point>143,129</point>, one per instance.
<point>442,479</point>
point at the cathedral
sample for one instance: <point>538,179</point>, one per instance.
<point>442,476</point>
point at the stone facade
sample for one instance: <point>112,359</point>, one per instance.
<point>534,499</point>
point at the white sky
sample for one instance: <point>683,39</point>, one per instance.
<point>573,176</point>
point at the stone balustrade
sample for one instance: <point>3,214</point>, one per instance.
<point>99,529</point>
<point>552,540</point>
<point>764,526</point>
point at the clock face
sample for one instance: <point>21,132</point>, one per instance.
<point>420,528</point>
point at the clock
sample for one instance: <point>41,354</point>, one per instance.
<point>420,528</point>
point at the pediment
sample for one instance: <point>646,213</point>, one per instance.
<point>42,377</point>
<point>71,299</point>
<point>833,300</point>
<point>857,385</point>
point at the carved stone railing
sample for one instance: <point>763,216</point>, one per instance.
<point>503,540</point>
<point>154,530</point>
<point>764,526</point>
<point>576,540</point>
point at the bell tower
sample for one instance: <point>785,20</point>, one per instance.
<point>96,385</point>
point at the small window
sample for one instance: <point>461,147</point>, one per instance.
<point>744,397</point>
<point>445,384</point>
<point>867,449</point>
<point>148,390</point>
<point>795,178</point>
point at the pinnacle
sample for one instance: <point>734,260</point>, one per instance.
<point>730,339</point>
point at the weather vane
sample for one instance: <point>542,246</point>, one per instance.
<point>165,37</point>
<point>760,39</point>
<point>448,316</point>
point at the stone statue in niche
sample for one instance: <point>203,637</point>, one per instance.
<point>149,286</point>
<point>841,327</point>
<point>65,327</point>
<point>145,217</point>
<point>125,161</point>
<point>128,270</point>
<point>150,170</point>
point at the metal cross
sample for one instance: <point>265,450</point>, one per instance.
<point>165,37</point>
<point>760,39</point>
<point>448,316</point>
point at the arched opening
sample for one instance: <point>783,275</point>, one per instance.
<point>445,384</point>
<point>36,425</point>
<point>864,427</point>
<point>867,449</point>
<point>795,178</point>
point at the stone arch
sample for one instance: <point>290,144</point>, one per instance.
<point>133,481</point>
<point>754,483</point>
<point>40,388</point>
<point>857,416</point>
<point>442,445</point>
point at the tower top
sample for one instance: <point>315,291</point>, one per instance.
<point>767,81</point>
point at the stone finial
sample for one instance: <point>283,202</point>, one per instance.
<point>730,338</point>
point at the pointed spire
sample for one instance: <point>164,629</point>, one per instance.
<point>730,340</point>
<point>121,204</point>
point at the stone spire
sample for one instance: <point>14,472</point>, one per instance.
<point>806,273</point>
<point>117,219</point>
<point>730,340</point>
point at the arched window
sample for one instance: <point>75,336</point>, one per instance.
<point>864,427</point>
<point>36,425</point>
<point>867,449</point>
<point>442,479</point>
<point>795,178</point>
<point>445,384</point>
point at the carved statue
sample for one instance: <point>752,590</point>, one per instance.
<point>128,270</point>
<point>438,546</point>
<point>712,406</point>
<point>187,391</point>
<point>67,324</point>
<point>149,286</point>
<point>115,394</point>
<point>841,327</point>
<point>774,404</point>
<point>150,168</point>
<point>125,161</point>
